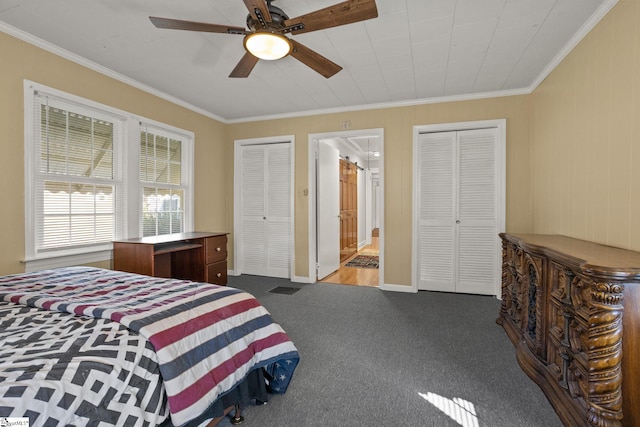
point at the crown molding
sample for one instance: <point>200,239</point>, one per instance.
<point>577,38</point>
<point>383,105</point>
<point>57,50</point>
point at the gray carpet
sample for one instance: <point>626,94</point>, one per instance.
<point>374,358</point>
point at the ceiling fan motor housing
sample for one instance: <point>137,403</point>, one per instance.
<point>277,20</point>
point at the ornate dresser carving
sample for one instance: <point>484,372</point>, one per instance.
<point>572,309</point>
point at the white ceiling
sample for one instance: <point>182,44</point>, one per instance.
<point>415,51</point>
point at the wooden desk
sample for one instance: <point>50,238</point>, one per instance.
<point>197,256</point>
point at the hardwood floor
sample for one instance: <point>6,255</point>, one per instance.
<point>357,276</point>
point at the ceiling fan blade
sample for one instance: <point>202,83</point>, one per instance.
<point>244,67</point>
<point>261,5</point>
<point>314,60</point>
<point>176,24</point>
<point>339,14</point>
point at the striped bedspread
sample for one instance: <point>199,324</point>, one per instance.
<point>207,337</point>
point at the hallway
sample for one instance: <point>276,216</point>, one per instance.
<point>357,276</point>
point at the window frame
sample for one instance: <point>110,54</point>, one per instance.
<point>187,162</point>
<point>127,155</point>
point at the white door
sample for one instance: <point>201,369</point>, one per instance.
<point>436,225</point>
<point>369,206</point>
<point>477,209</point>
<point>265,210</point>
<point>328,206</point>
<point>252,210</point>
<point>458,212</point>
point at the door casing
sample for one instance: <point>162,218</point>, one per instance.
<point>290,139</point>
<point>313,144</point>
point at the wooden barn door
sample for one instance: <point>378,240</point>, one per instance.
<point>348,209</point>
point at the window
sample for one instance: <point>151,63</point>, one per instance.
<point>94,174</point>
<point>163,189</point>
<point>76,182</point>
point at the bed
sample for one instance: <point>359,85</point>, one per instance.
<point>87,346</point>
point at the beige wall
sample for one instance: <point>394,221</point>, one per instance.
<point>586,137</point>
<point>398,166</point>
<point>21,61</point>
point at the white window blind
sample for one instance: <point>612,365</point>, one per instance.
<point>78,185</point>
<point>163,181</point>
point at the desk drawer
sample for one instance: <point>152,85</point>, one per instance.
<point>216,249</point>
<point>217,273</point>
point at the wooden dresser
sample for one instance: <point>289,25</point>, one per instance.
<point>572,309</point>
<point>197,256</point>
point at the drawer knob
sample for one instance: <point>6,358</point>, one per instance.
<point>219,275</point>
<point>218,249</point>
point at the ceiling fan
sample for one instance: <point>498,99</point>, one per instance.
<point>267,26</point>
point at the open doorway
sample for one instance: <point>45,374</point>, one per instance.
<point>340,163</point>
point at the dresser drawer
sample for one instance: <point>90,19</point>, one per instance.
<point>217,273</point>
<point>216,249</point>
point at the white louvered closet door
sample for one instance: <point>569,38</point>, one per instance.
<point>458,219</point>
<point>436,239</point>
<point>477,212</point>
<point>265,247</point>
<point>278,206</point>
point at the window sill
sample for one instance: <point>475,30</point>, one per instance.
<point>58,261</point>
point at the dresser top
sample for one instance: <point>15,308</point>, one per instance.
<point>168,238</point>
<point>590,257</point>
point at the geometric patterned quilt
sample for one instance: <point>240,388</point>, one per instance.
<point>204,339</point>
<point>58,369</point>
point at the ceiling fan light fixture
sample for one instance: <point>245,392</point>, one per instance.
<point>269,46</point>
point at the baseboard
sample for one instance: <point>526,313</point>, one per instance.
<point>398,288</point>
<point>296,279</point>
